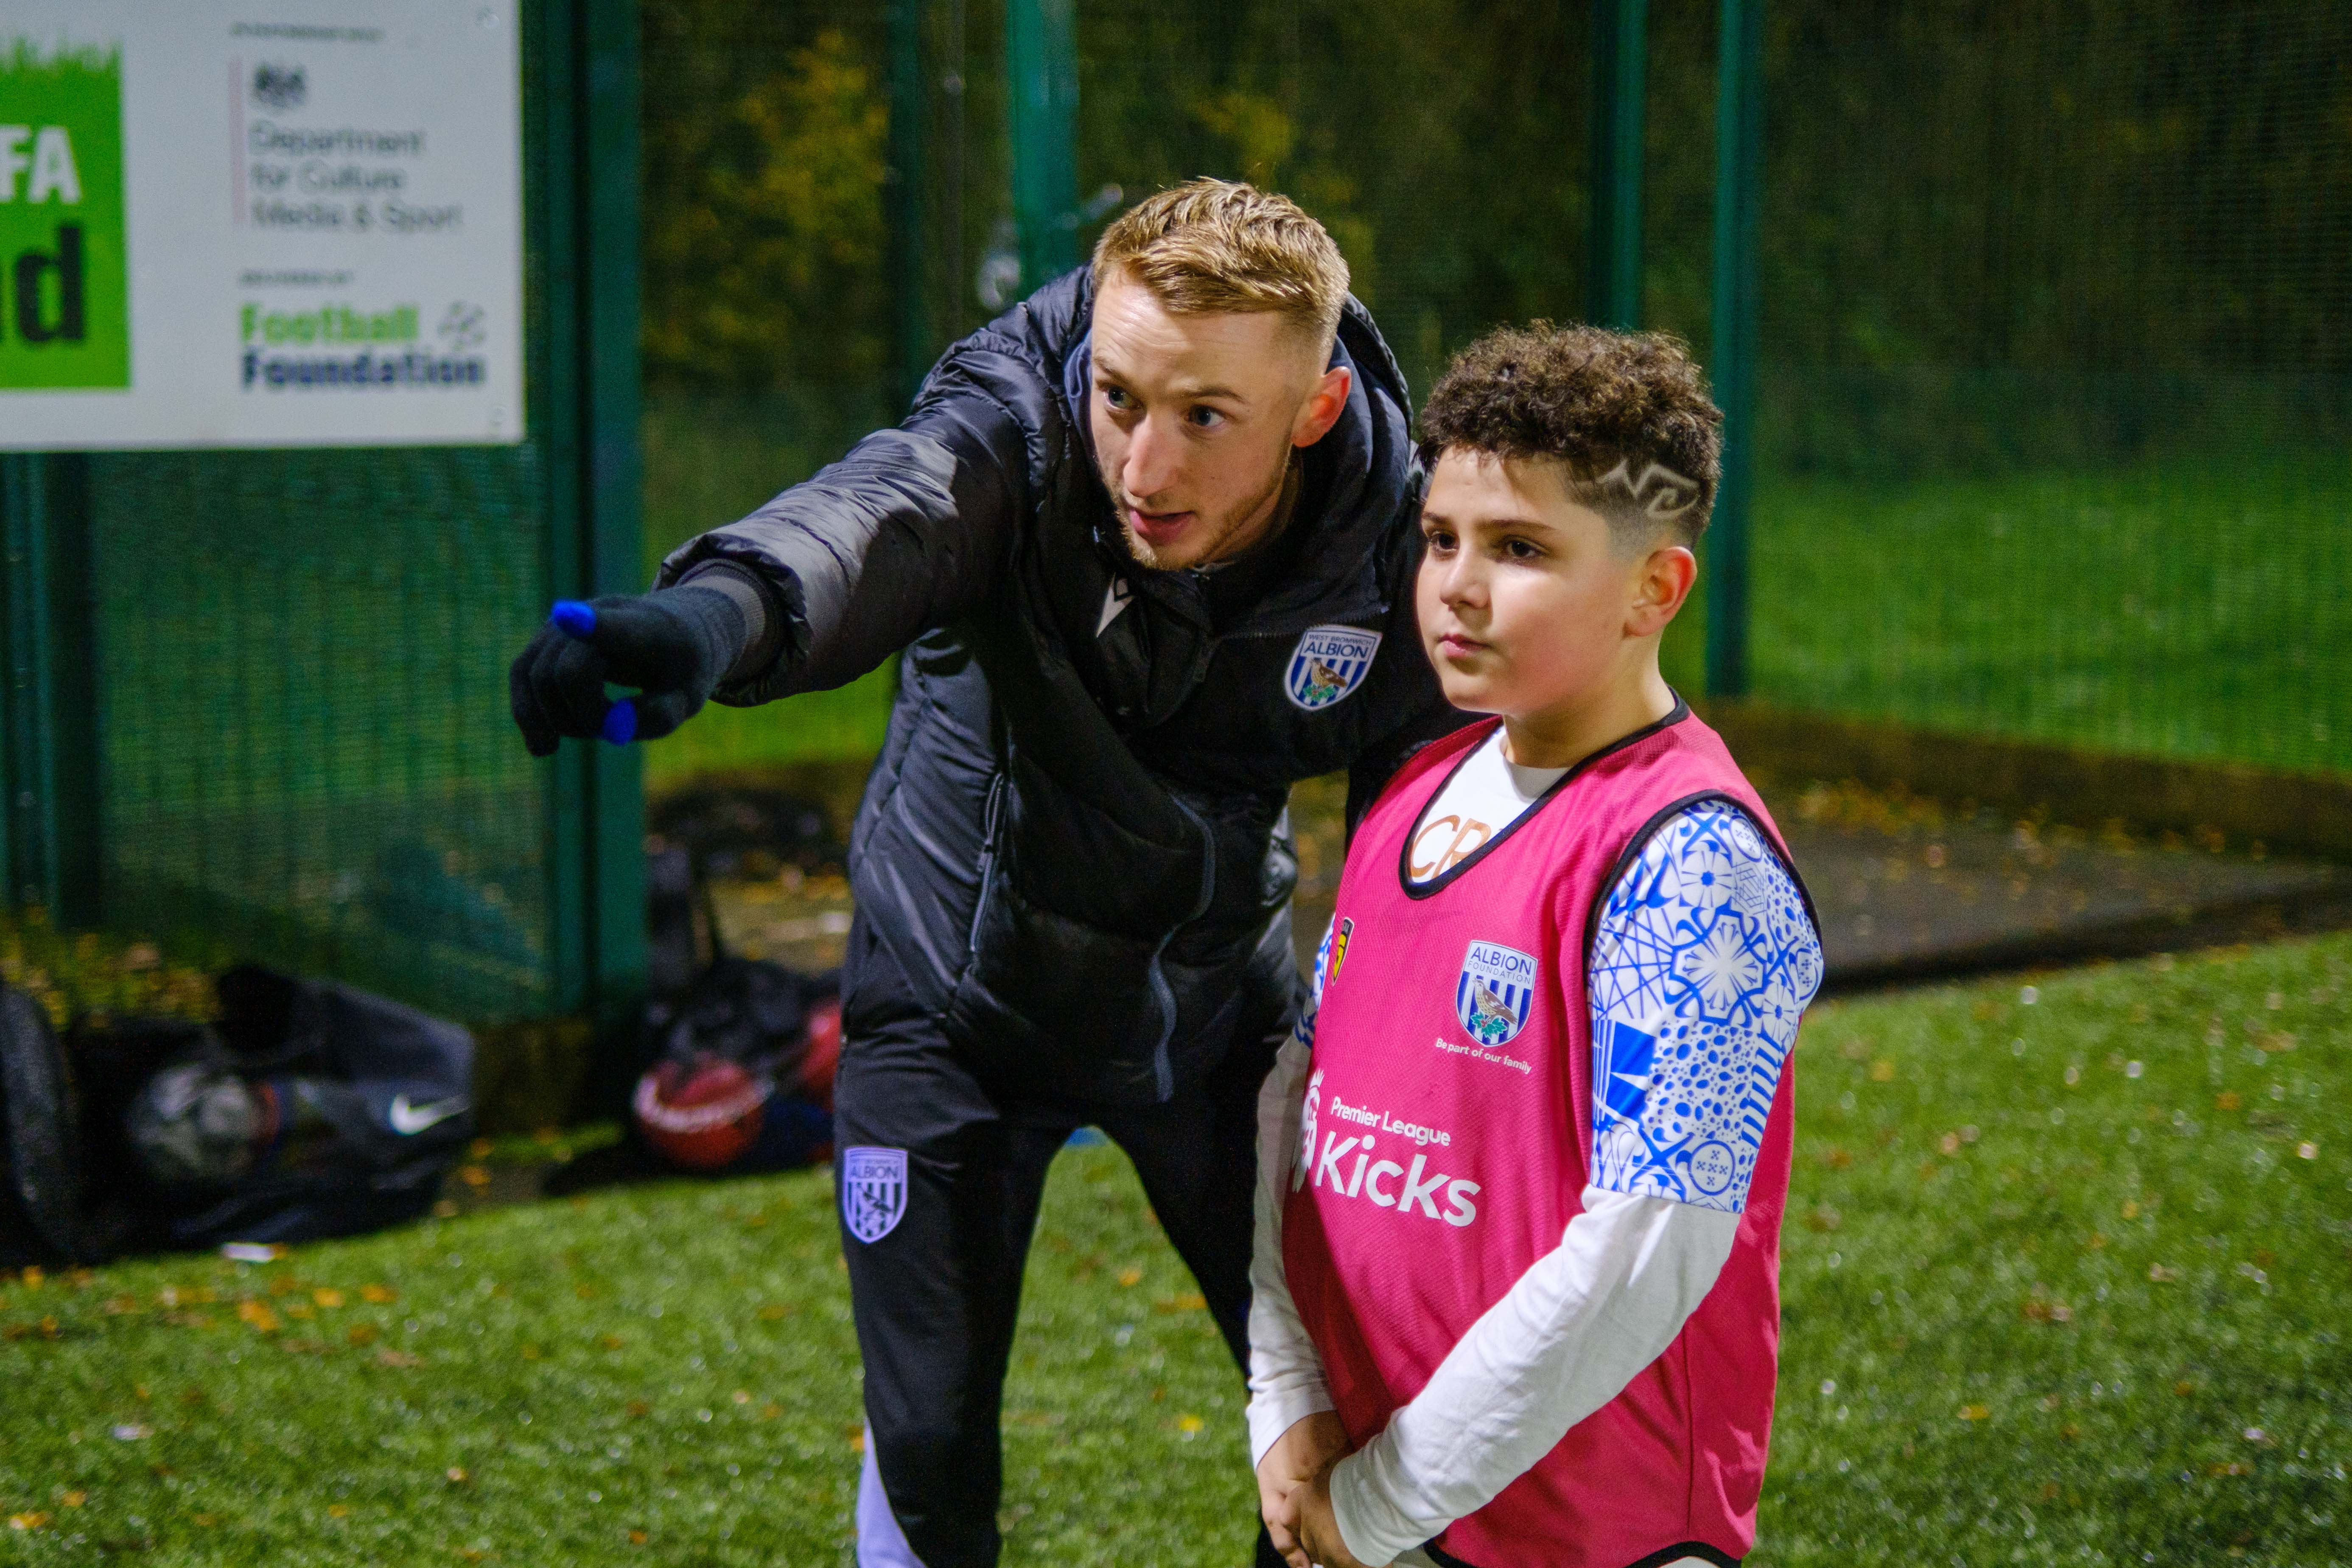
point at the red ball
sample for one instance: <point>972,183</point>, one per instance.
<point>823,1058</point>
<point>702,1115</point>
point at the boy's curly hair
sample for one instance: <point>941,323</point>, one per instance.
<point>1627,413</point>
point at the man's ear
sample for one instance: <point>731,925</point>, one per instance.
<point>1323,407</point>
<point>1660,590</point>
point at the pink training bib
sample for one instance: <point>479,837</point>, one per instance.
<point>1447,1142</point>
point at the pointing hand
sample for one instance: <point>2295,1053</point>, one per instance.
<point>671,645</point>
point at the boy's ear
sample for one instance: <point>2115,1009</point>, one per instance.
<point>1666,577</point>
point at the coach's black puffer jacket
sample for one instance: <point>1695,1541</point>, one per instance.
<point>1074,842</point>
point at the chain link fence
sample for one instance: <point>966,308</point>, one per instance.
<point>2055,382</point>
<point>287,671</point>
<point>304,685</point>
<point>2055,433</point>
<point>2055,388</point>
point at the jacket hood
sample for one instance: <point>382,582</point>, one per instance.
<point>1357,478</point>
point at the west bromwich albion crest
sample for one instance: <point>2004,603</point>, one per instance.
<point>1328,663</point>
<point>1497,987</point>
<point>873,1192</point>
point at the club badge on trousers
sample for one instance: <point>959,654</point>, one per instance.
<point>873,1192</point>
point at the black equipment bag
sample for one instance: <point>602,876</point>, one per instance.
<point>730,1071</point>
<point>311,1110</point>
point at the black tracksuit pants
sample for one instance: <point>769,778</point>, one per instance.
<point>936,1296</point>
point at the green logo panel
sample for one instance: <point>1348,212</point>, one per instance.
<point>65,288</point>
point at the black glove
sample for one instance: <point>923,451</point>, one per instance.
<point>674,646</point>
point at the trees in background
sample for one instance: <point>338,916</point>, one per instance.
<point>1970,204</point>
<point>765,135</point>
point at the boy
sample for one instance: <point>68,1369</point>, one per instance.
<point>1521,1172</point>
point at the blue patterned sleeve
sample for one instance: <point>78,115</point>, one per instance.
<point>1703,960</point>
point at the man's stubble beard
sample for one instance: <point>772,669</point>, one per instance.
<point>1259,510</point>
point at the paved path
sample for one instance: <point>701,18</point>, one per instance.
<point>1910,900</point>
<point>1905,889</point>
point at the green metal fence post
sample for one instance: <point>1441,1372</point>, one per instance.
<point>49,739</point>
<point>1738,179</point>
<point>77,823</point>
<point>1619,77</point>
<point>613,487</point>
<point>584,218</point>
<point>23,500</point>
<point>551,195</point>
<point>909,188</point>
<point>1040,56</point>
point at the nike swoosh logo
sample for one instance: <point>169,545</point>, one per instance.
<point>410,1120</point>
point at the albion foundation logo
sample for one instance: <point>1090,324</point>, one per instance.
<point>1494,992</point>
<point>1328,663</point>
<point>65,290</point>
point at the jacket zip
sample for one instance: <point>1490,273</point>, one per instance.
<point>1164,1071</point>
<point>987,860</point>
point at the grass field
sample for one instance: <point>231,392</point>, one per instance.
<point>2189,607</point>
<point>2064,1272</point>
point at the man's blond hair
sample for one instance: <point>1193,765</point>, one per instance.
<point>1221,245</point>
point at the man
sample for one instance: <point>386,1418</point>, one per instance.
<point>1148,543</point>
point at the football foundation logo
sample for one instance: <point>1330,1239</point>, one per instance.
<point>1495,990</point>
<point>873,1192</point>
<point>1328,663</point>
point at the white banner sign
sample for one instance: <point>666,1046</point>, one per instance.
<point>226,226</point>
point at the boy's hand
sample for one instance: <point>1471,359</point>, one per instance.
<point>1310,1445</point>
<point>1306,1516</point>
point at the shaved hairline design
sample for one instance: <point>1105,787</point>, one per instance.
<point>1669,494</point>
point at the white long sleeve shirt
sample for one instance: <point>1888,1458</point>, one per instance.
<point>1585,1319</point>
